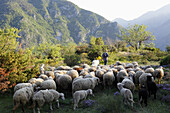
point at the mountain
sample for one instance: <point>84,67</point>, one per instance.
<point>158,23</point>
<point>56,21</point>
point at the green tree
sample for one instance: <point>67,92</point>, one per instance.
<point>17,65</point>
<point>168,49</point>
<point>95,47</point>
<point>137,36</point>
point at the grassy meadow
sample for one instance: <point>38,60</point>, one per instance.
<point>105,101</point>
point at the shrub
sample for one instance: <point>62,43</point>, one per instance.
<point>165,61</point>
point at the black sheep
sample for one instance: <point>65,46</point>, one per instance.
<point>143,95</point>
<point>151,86</point>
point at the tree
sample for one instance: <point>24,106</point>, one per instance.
<point>137,36</point>
<point>95,47</point>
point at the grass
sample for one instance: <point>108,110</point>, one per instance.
<point>105,102</point>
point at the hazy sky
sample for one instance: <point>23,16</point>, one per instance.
<point>126,9</point>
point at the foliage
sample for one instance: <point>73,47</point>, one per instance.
<point>17,65</point>
<point>165,61</point>
<point>51,53</point>
<point>137,36</point>
<point>168,49</point>
<point>95,48</point>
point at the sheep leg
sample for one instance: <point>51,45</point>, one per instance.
<point>15,107</point>
<point>23,109</point>
<point>38,110</point>
<point>57,101</point>
<point>51,107</point>
<point>34,110</point>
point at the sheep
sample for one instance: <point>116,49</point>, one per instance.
<point>95,63</point>
<point>21,85</point>
<point>80,77</point>
<point>49,73</point>
<point>22,97</point>
<point>121,75</point>
<point>131,75</point>
<point>120,67</point>
<point>128,84</point>
<point>100,73</point>
<point>118,63</point>
<point>90,75</point>
<point>64,82</point>
<point>105,67</point>
<point>42,70</point>
<point>143,95</point>
<point>151,86</point>
<point>143,79</point>
<point>83,73</point>
<point>135,64</point>
<point>43,76</point>
<point>85,66</point>
<point>92,68</point>
<point>36,81</point>
<point>63,68</point>
<point>158,73</point>
<point>137,75</point>
<point>47,96</point>
<point>73,73</point>
<point>86,83</point>
<point>136,69</point>
<point>79,95</point>
<point>129,65</point>
<point>48,84</point>
<point>126,93</point>
<point>149,70</point>
<point>78,68</point>
<point>108,79</point>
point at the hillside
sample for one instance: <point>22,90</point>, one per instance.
<point>57,21</point>
<point>157,22</point>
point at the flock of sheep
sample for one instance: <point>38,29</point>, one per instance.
<point>82,80</point>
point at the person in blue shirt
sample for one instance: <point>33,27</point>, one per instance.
<point>105,57</point>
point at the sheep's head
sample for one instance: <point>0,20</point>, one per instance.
<point>120,86</point>
<point>89,91</point>
<point>97,80</point>
<point>62,96</point>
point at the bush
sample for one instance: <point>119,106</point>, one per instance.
<point>165,61</point>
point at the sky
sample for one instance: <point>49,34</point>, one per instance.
<point>125,9</point>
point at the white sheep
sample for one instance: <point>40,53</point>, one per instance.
<point>149,70</point>
<point>42,70</point>
<point>49,73</point>
<point>120,67</point>
<point>84,84</point>
<point>83,72</point>
<point>129,65</point>
<point>137,75</point>
<point>85,66</point>
<point>36,81</point>
<point>128,84</point>
<point>95,63</point>
<point>46,96</point>
<point>48,84</point>
<point>22,97</point>
<point>73,73</point>
<point>43,76</point>
<point>21,85</point>
<point>158,73</point>
<point>79,95</point>
<point>64,82</point>
<point>121,75</point>
<point>108,79</point>
<point>127,94</point>
<point>100,73</point>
